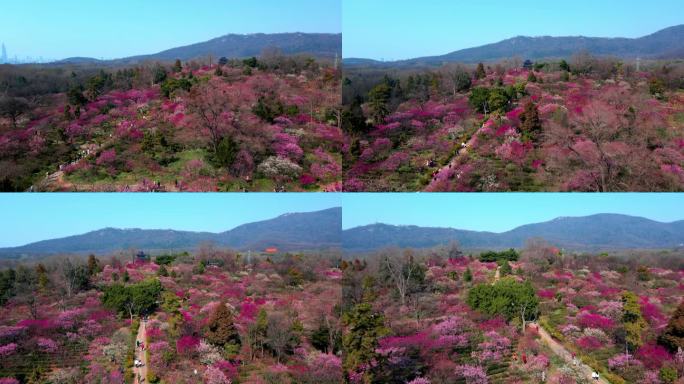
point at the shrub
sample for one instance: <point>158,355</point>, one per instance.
<point>668,374</point>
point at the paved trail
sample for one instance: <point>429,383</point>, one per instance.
<point>140,355</point>
<point>563,353</point>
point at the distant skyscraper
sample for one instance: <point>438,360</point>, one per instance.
<point>3,58</point>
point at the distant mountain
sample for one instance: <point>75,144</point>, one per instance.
<point>601,231</point>
<point>665,44</point>
<point>310,230</point>
<point>325,45</point>
<point>288,232</point>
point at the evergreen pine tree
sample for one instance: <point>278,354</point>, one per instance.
<point>220,329</point>
<point>480,72</point>
<point>672,337</point>
<point>530,123</point>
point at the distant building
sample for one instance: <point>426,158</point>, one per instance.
<point>142,256</point>
<point>3,58</point>
<point>271,250</point>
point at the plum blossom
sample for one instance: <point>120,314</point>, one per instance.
<point>472,374</point>
<point>8,349</point>
<point>47,345</point>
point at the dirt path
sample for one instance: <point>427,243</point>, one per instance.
<point>563,353</point>
<point>497,275</point>
<point>140,355</point>
<point>452,163</point>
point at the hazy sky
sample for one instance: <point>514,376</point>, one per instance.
<point>108,29</point>
<point>28,217</point>
<point>401,29</point>
<point>498,212</point>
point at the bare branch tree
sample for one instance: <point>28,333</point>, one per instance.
<point>401,271</point>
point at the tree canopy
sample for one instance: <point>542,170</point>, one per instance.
<point>136,299</point>
<point>507,297</point>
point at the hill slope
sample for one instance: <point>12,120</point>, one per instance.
<point>602,231</point>
<point>288,232</point>
<point>239,46</point>
<point>665,44</point>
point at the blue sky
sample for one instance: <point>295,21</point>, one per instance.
<point>400,29</point>
<point>500,212</point>
<point>112,29</point>
<point>29,217</point>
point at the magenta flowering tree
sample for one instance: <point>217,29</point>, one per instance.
<point>187,345</point>
<point>547,294</point>
<point>47,345</point>
<point>326,166</point>
<point>324,368</point>
<point>8,349</point>
<point>419,380</point>
<point>128,130</point>
<point>593,320</point>
<point>537,364</point>
<point>394,161</point>
<point>90,328</point>
<point>243,164</point>
<point>590,343</point>
<point>653,356</point>
<point>11,332</point>
<point>652,313</point>
<point>286,146</point>
<point>472,374</point>
<point>627,366</point>
<point>74,131</point>
<point>619,361</point>
<point>454,332</point>
<point>107,157</point>
<point>492,349</point>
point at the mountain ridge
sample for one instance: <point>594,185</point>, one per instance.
<point>667,43</point>
<point>296,231</point>
<point>592,232</point>
<point>322,45</point>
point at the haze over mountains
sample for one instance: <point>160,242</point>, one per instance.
<point>601,231</point>
<point>664,44</point>
<point>288,232</point>
<point>320,45</point>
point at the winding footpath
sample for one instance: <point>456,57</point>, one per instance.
<point>140,355</point>
<point>563,353</point>
<point>452,164</point>
<point>558,348</point>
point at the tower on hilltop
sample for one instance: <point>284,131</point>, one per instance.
<point>3,58</point>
